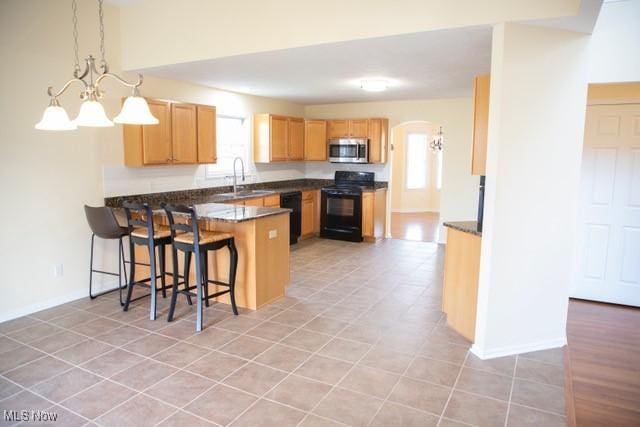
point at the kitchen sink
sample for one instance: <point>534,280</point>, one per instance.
<point>248,193</point>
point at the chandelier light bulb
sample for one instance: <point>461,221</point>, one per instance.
<point>55,118</point>
<point>92,115</point>
<point>135,111</point>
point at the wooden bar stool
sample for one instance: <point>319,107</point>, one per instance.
<point>143,232</point>
<point>189,239</point>
<point>103,223</point>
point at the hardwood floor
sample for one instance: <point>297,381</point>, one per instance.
<point>604,363</point>
<point>419,226</point>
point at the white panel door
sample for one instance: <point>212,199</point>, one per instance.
<point>607,255</point>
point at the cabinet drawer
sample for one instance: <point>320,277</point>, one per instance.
<point>307,195</point>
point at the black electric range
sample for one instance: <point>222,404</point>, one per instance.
<point>341,205</point>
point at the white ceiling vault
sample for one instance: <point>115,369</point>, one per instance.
<point>434,64</point>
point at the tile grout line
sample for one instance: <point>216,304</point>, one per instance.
<point>347,373</point>
<point>403,374</point>
<point>453,388</point>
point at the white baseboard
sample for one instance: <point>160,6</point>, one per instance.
<point>58,300</point>
<point>518,349</point>
<point>415,210</point>
<point>43,305</point>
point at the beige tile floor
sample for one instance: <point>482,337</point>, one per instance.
<point>359,340</point>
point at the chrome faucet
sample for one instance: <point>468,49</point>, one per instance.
<point>235,178</point>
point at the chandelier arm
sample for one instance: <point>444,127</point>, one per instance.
<point>64,88</point>
<point>120,79</point>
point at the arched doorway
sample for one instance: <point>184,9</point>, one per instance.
<point>415,183</point>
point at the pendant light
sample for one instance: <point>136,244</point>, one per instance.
<point>437,142</point>
<point>134,111</point>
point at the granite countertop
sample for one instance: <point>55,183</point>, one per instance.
<point>202,196</point>
<point>235,213</point>
<point>464,226</point>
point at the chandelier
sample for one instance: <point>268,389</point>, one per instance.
<point>135,109</point>
<point>438,141</point>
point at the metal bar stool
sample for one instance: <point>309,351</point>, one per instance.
<point>103,223</point>
<point>143,232</point>
<point>189,239</point>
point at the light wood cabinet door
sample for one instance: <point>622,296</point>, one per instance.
<point>367,214</point>
<point>359,128</point>
<point>184,133</point>
<point>337,128</point>
<point>296,139</point>
<point>156,139</point>
<point>279,138</point>
<point>206,119</point>
<point>254,202</point>
<point>272,201</point>
<point>480,124</point>
<point>308,215</point>
<point>378,130</point>
<point>315,140</point>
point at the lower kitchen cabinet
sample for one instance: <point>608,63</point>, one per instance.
<point>309,214</point>
<point>460,289</point>
<point>254,202</point>
<point>272,201</point>
<point>374,212</point>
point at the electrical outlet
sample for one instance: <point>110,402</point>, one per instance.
<point>58,270</point>
<point>273,234</point>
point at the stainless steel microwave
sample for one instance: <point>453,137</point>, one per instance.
<point>348,150</point>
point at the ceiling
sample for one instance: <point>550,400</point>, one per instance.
<point>434,64</point>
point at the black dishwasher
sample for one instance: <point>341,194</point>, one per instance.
<point>293,200</point>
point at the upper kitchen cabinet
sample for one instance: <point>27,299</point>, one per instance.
<point>337,129</point>
<point>357,128</point>
<point>277,138</point>
<point>207,152</point>
<point>376,130</point>
<point>315,140</point>
<point>185,134</point>
<point>149,144</point>
<point>378,135</point>
<point>480,124</point>
<point>296,139</point>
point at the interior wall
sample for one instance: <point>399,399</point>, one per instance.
<point>220,29</point>
<point>459,194</point>
<point>614,45</point>
<point>415,200</point>
<point>538,87</point>
<point>48,176</point>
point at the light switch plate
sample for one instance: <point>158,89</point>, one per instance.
<point>273,234</point>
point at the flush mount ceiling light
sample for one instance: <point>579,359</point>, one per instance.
<point>374,85</point>
<point>134,111</point>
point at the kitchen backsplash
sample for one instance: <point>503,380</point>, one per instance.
<point>121,181</point>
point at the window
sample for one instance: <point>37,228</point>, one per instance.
<point>416,161</point>
<point>232,139</point>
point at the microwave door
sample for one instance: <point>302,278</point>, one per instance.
<point>343,152</point>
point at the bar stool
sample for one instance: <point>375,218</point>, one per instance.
<point>142,232</point>
<point>189,239</point>
<point>103,223</point>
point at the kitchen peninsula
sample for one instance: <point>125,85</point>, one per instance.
<point>262,240</point>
